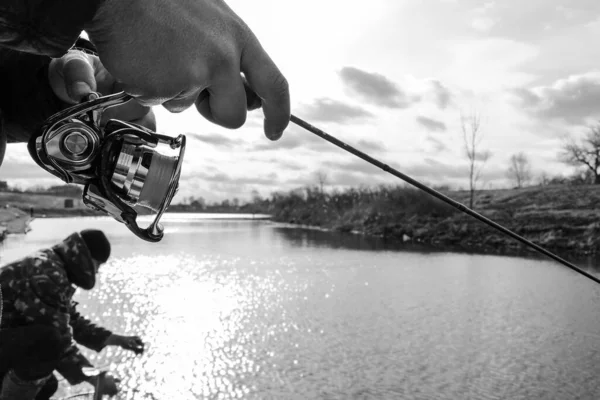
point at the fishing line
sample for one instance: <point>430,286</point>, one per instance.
<point>425,188</point>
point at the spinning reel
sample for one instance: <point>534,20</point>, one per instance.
<point>120,165</point>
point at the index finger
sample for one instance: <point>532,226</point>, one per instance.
<point>270,85</point>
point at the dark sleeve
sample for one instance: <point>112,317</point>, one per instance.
<point>44,27</point>
<point>71,365</point>
<point>86,333</point>
<point>26,98</point>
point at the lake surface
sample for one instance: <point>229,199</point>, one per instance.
<point>252,310</point>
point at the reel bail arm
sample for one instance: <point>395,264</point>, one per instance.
<point>119,164</point>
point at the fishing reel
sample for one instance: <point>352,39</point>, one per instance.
<point>122,171</point>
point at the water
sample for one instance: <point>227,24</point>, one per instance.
<point>251,310</point>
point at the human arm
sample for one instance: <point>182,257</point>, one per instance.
<point>39,86</point>
<point>176,53</point>
<point>87,333</point>
<point>185,52</point>
<point>133,343</point>
<point>44,27</point>
<point>31,32</point>
<point>26,96</point>
<point>44,300</point>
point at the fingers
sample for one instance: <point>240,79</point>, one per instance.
<point>2,144</point>
<point>72,77</point>
<point>253,101</point>
<point>131,111</point>
<point>270,85</point>
<point>182,102</point>
<point>224,102</point>
<point>148,121</point>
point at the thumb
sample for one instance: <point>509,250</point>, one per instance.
<point>73,77</point>
<point>78,71</point>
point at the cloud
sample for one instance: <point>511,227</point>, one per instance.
<point>354,179</point>
<point>294,138</point>
<point>574,99</point>
<point>214,139</point>
<point>438,171</point>
<point>481,21</point>
<point>225,179</point>
<point>330,110</point>
<point>353,166</point>
<point>431,124</point>
<point>279,164</point>
<point>483,24</point>
<point>442,95</point>
<point>368,145</point>
<point>360,172</point>
<point>375,88</point>
<point>438,146</point>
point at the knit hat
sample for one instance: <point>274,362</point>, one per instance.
<point>98,244</point>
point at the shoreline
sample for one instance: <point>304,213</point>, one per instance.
<point>562,219</point>
<point>16,221</point>
<point>518,249</point>
<point>13,221</point>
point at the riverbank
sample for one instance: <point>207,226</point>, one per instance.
<point>564,219</point>
<point>13,220</point>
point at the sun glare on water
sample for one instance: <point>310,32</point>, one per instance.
<point>189,317</point>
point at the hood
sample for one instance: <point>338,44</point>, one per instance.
<point>77,260</point>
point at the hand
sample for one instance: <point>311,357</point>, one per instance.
<point>106,384</point>
<point>133,343</point>
<point>183,52</point>
<point>77,74</point>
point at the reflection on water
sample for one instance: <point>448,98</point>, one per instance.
<point>246,309</point>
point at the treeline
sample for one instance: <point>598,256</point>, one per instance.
<point>66,190</point>
<point>355,207</point>
<point>562,217</point>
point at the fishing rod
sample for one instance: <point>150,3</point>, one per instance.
<point>461,207</point>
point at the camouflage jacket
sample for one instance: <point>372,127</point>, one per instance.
<point>39,289</point>
<point>31,33</point>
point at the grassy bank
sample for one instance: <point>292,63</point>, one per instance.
<point>563,218</point>
<point>13,220</point>
<point>17,209</point>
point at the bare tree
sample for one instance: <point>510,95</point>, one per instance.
<point>322,179</point>
<point>543,179</point>
<point>472,135</point>
<point>586,153</point>
<point>519,170</point>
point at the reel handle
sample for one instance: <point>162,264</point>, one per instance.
<point>153,233</point>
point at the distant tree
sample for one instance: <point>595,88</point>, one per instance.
<point>198,203</point>
<point>543,179</point>
<point>586,153</point>
<point>519,170</point>
<point>472,136</point>
<point>322,179</point>
<point>255,196</point>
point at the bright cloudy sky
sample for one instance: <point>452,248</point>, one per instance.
<point>391,78</point>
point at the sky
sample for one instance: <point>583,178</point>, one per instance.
<point>392,78</point>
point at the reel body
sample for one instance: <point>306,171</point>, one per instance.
<point>120,165</point>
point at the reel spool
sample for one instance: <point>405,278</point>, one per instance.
<point>123,166</point>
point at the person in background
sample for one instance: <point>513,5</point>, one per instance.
<point>39,321</point>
